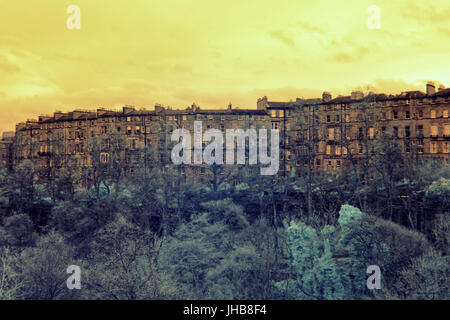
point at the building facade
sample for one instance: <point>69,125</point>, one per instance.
<point>328,134</point>
<point>324,133</point>
<point>6,144</point>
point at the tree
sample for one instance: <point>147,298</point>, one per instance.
<point>121,264</point>
<point>42,269</point>
<point>212,256</point>
<point>18,231</point>
<point>195,249</point>
<point>10,282</point>
<point>427,278</point>
<point>373,241</point>
<point>317,276</point>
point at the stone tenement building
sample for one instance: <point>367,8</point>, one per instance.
<point>323,134</point>
<point>6,144</point>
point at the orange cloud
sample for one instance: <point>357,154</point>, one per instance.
<point>283,36</point>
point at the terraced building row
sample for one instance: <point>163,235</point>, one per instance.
<point>323,134</point>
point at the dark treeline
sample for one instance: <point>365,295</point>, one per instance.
<point>153,233</point>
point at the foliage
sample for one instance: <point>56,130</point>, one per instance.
<point>149,232</point>
<point>317,275</point>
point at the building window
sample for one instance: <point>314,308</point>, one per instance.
<point>338,150</point>
<point>407,132</point>
<point>407,147</point>
<point>328,118</point>
<point>273,113</point>
<point>407,115</point>
<point>420,113</point>
<point>446,147</point>
<point>434,131</point>
<point>396,132</point>
<point>433,114</point>
<point>275,125</point>
<point>360,133</point>
<point>288,155</point>
<point>128,130</point>
<point>138,130</point>
<point>331,133</point>
<point>420,130</point>
<point>344,150</point>
<point>337,118</point>
<point>433,147</point>
<point>281,113</point>
<point>445,114</point>
<point>420,146</point>
<point>328,149</point>
<point>447,130</point>
<point>395,114</point>
<point>371,133</point>
<point>338,163</point>
<point>104,157</point>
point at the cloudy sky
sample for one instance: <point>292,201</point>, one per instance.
<point>211,52</point>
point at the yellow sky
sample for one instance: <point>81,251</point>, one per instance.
<point>211,52</point>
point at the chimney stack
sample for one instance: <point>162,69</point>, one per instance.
<point>326,96</point>
<point>431,89</point>
<point>261,104</point>
<point>441,87</point>
<point>357,95</point>
<point>159,108</point>
<point>127,109</point>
